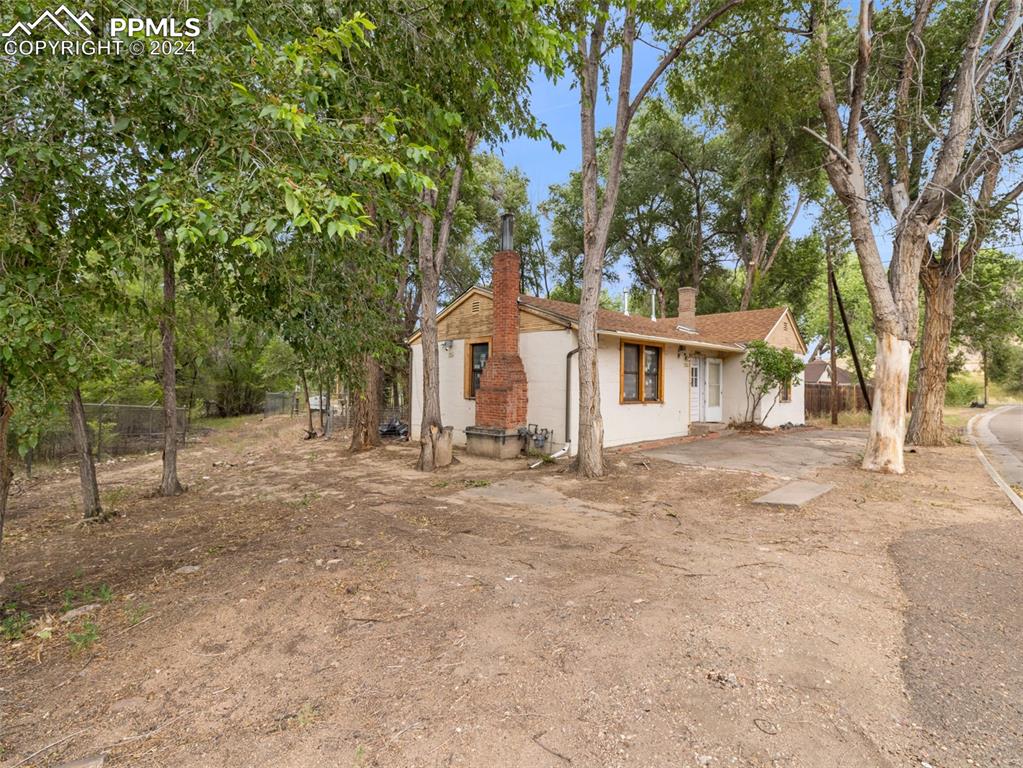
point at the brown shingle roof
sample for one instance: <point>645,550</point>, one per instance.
<point>739,327</point>
<point>727,328</point>
<point>815,368</point>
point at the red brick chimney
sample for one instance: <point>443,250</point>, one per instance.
<point>687,306</point>
<point>501,398</point>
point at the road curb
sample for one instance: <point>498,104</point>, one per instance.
<point>1013,497</point>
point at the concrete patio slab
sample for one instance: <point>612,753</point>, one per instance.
<point>785,455</point>
<point>794,494</point>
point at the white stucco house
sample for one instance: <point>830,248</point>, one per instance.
<point>663,378</point>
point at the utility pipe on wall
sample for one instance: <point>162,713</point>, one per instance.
<point>568,395</point>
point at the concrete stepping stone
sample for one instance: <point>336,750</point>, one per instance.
<point>794,494</point>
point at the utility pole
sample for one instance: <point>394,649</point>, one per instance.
<point>852,344</point>
<point>831,340</point>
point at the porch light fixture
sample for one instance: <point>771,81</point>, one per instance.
<point>508,232</point>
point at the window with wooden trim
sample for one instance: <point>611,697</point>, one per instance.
<point>476,353</point>
<point>642,374</point>
<point>785,394</point>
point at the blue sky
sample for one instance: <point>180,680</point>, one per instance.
<point>557,105</point>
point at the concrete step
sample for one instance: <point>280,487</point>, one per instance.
<point>700,428</point>
<point>794,494</point>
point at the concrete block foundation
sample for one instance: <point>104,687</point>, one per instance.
<point>493,442</point>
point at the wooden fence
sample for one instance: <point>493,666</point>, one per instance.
<point>817,398</point>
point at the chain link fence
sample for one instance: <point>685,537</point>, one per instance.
<point>278,403</point>
<point>342,408</point>
<point>115,429</point>
<point>344,413</point>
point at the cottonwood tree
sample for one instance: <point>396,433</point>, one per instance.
<point>929,148</point>
<point>762,97</point>
<point>691,159</point>
<point>664,225</point>
<point>279,177</point>
<point>940,274</point>
<point>597,29</point>
<point>210,214</point>
<point>479,103</point>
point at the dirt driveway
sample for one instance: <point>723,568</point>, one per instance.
<point>301,606</point>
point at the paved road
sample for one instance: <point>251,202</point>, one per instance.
<point>964,662</point>
<point>1001,436</point>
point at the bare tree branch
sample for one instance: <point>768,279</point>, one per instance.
<point>784,233</point>
<point>858,92</point>
<point>838,151</point>
<point>911,63</point>
<point>698,29</point>
<point>1013,23</point>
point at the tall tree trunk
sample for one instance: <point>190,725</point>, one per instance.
<point>747,289</point>
<point>169,485</point>
<point>926,423</point>
<point>597,215</point>
<point>434,439</point>
<point>432,427</point>
<point>696,266</point>
<point>760,260</point>
<point>6,471</point>
<point>366,432</point>
<point>596,224</point>
<point>86,466</point>
<point>591,424</point>
<point>888,405</point>
<point>308,404</point>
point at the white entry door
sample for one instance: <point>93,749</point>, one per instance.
<point>695,388</point>
<point>713,389</point>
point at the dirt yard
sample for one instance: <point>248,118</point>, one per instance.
<point>301,606</point>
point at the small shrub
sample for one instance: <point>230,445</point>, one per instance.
<point>306,715</point>
<point>85,638</point>
<point>477,483</point>
<point>767,368</point>
<point>14,622</point>
<point>135,613</point>
<point>962,391</point>
<point>113,501</point>
<point>101,593</point>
